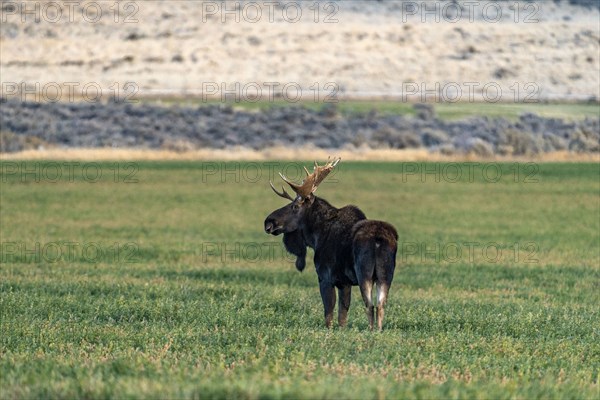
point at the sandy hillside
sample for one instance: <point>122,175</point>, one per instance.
<point>542,50</point>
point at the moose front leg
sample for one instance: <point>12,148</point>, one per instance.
<point>344,294</point>
<point>328,296</point>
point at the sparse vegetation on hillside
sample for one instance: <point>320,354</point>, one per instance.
<point>184,128</point>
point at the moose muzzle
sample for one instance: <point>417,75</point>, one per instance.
<point>271,227</point>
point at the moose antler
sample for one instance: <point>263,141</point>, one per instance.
<point>311,182</point>
<point>283,193</point>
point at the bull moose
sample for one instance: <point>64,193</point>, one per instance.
<point>349,249</point>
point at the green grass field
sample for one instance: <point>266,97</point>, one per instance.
<point>157,280</point>
<point>444,110</point>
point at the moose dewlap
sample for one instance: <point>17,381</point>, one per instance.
<point>349,249</point>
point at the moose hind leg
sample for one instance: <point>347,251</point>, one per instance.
<point>382,293</point>
<point>366,288</point>
<point>345,297</point>
<point>328,297</point>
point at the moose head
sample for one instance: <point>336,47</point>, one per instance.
<point>288,219</point>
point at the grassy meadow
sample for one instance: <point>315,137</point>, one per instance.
<point>155,279</point>
<point>444,110</point>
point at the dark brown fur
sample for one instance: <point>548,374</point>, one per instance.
<point>349,250</point>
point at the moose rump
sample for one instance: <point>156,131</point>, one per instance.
<point>374,247</point>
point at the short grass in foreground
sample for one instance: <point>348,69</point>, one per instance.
<point>181,294</point>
